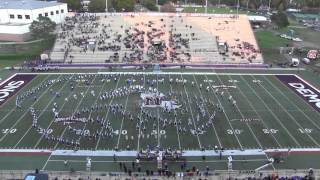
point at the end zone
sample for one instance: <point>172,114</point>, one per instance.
<point>12,85</point>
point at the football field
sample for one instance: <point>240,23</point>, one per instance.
<point>197,112</point>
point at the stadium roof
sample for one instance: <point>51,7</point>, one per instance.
<point>26,4</point>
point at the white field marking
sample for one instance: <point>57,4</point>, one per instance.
<point>292,92</point>
<point>21,117</point>
<point>228,119</point>
<point>163,73</point>
<point>12,110</point>
<point>298,124</point>
<point>192,117</point>
<point>254,135</point>
<point>297,107</point>
<point>191,161</point>
<point>39,140</point>
<point>260,118</point>
<point>307,83</point>
<point>175,120</point>
<point>276,117</point>
<point>9,78</point>
<point>263,123</point>
<point>108,110</point>
<point>102,87</point>
<point>42,111</point>
<point>215,132</point>
<point>78,105</point>
<point>139,135</point>
<point>158,115</point>
<point>44,166</point>
<point>120,132</point>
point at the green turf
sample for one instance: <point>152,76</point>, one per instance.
<point>272,103</point>
<point>13,54</point>
<point>213,10</point>
<point>267,40</point>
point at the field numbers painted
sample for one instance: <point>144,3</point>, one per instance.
<point>305,130</point>
<point>233,80</point>
<point>44,131</point>
<point>257,81</point>
<point>11,131</point>
<point>123,132</point>
<point>235,131</point>
<point>155,132</point>
<point>270,131</point>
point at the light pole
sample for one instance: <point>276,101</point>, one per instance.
<point>206,6</point>
<point>106,6</point>
<point>269,5</point>
<point>238,4</point>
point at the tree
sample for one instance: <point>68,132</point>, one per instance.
<point>280,19</point>
<point>168,7</point>
<point>97,5</point>
<point>123,5</point>
<point>74,5</point>
<point>42,28</point>
<point>149,4</point>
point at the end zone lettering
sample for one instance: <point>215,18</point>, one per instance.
<point>11,86</point>
<point>303,89</point>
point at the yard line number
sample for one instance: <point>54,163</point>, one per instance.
<point>305,130</point>
<point>10,131</point>
<point>270,131</point>
<point>234,131</point>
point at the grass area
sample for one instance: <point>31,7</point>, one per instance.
<point>271,104</point>
<point>268,40</point>
<point>213,10</point>
<point>14,54</point>
<point>269,44</point>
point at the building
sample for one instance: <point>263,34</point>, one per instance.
<point>17,15</point>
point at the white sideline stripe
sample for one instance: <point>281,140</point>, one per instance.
<point>8,79</point>
<point>189,161</point>
<point>164,73</point>
<point>307,83</point>
<point>107,153</point>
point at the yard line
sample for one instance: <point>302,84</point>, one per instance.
<point>158,115</point>
<point>192,117</point>
<point>42,111</point>
<point>175,120</point>
<point>21,117</point>
<point>251,105</point>
<point>122,121</point>
<point>250,129</point>
<point>139,135</point>
<point>228,119</point>
<point>39,140</point>
<point>101,87</point>
<point>215,132</point>
<point>45,164</point>
<point>313,140</point>
<point>297,107</point>
<point>15,108</point>
<point>108,110</point>
<point>78,105</point>
<point>276,117</point>
<point>190,161</point>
